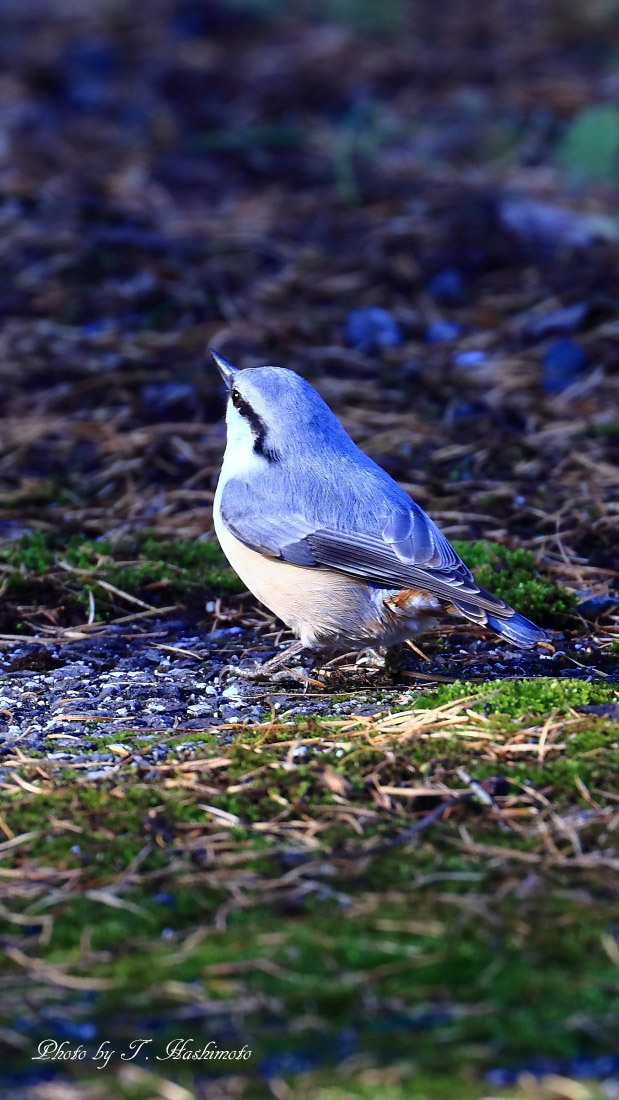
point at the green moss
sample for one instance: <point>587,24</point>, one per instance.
<point>518,698</point>
<point>30,554</point>
<point>144,566</point>
<point>511,575</point>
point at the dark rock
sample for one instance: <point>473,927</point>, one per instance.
<point>496,785</point>
<point>469,409</point>
<point>409,371</point>
<point>564,361</point>
<point>30,656</point>
<point>223,632</point>
<point>593,607</point>
<point>88,68</point>
<point>230,713</point>
<point>603,710</point>
<point>372,328</point>
<point>69,671</point>
<point>447,285</point>
<point>194,19</point>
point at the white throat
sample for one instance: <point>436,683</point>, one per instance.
<point>240,459</point>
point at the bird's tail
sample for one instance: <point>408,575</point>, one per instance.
<point>518,630</point>
<point>505,621</point>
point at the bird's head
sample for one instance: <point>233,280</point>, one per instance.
<point>273,412</point>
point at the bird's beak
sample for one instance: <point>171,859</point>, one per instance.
<point>227,371</point>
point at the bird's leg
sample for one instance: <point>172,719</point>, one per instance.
<point>271,670</point>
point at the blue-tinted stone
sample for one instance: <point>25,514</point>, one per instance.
<point>195,19</point>
<point>584,1068</point>
<point>566,319</point>
<point>287,1061</point>
<point>346,1042</point>
<point>409,370</point>
<point>468,358</point>
<point>224,632</point>
<point>371,328</point>
<point>593,606</point>
<point>439,331</point>
<point>447,285</point>
<point>502,1078</point>
<point>88,67</point>
<point>93,56</point>
<point>81,1030</point>
<point>164,898</point>
<point>563,362</point>
<point>27,1076</point>
<point>93,328</point>
<point>469,409</point>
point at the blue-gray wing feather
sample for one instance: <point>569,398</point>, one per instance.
<point>402,548</point>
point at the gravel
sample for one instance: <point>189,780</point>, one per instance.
<point>70,701</point>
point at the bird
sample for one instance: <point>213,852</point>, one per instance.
<point>325,538</point>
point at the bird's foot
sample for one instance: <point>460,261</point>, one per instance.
<point>272,670</point>
<point>258,671</point>
<point>371,660</point>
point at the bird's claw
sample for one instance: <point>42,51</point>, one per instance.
<point>259,671</point>
<point>370,660</point>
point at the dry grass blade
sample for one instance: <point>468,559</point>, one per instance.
<point>41,971</point>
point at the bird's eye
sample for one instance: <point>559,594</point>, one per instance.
<point>235,398</point>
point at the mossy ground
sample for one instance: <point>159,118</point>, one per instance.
<point>398,1082</point>
<point>56,573</point>
<point>52,571</point>
<point>262,891</point>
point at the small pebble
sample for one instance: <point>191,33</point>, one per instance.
<point>440,331</point>
<point>468,358</point>
<point>164,898</point>
<point>372,328</point>
<point>447,285</point>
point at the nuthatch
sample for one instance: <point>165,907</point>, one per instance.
<point>324,537</point>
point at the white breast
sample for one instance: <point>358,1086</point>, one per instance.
<point>319,605</point>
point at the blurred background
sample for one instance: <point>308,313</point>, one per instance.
<point>413,204</point>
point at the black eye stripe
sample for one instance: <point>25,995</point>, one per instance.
<point>242,405</point>
<point>257,425</point>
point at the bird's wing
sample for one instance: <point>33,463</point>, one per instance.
<point>405,550</point>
